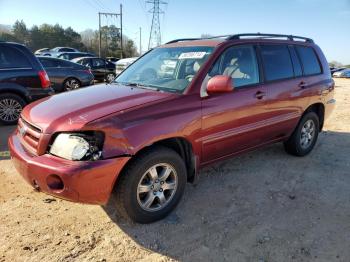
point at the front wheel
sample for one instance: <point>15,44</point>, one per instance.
<point>151,186</point>
<point>304,137</point>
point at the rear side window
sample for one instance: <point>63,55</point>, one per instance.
<point>298,71</point>
<point>277,62</point>
<point>12,58</point>
<point>47,63</point>
<point>63,63</point>
<point>309,60</point>
<point>98,62</point>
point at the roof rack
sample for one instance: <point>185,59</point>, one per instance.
<point>240,36</point>
<point>261,35</point>
<point>198,38</point>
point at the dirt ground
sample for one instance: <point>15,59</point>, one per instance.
<point>262,206</point>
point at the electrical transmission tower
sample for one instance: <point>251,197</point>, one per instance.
<point>155,35</point>
<point>120,31</point>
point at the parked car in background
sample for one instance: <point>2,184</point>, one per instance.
<point>113,60</point>
<point>40,51</point>
<point>145,136</point>
<point>122,64</point>
<point>57,50</point>
<point>73,55</point>
<point>343,73</point>
<point>337,69</point>
<point>65,75</point>
<point>22,80</point>
<point>100,68</point>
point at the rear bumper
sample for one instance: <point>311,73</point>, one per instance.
<point>84,181</point>
<point>38,93</point>
<point>330,105</point>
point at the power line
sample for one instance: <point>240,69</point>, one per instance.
<point>155,38</point>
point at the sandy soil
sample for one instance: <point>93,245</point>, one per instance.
<point>262,206</point>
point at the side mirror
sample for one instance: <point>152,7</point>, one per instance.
<point>220,84</point>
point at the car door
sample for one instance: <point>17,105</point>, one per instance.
<point>99,68</point>
<point>233,122</point>
<point>285,85</point>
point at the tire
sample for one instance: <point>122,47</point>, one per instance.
<point>110,77</point>
<point>71,84</point>
<point>303,140</point>
<point>135,186</point>
<point>11,106</point>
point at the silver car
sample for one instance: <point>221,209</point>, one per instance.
<point>344,73</point>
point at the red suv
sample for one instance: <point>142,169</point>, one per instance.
<point>181,106</point>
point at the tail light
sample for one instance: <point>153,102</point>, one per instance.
<point>44,79</point>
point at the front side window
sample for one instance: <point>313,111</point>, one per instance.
<point>240,63</point>
<point>12,58</point>
<point>309,60</point>
<point>169,69</point>
<point>277,62</point>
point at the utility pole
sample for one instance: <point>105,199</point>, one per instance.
<point>99,31</point>
<point>121,30</point>
<point>140,42</point>
<point>155,35</point>
<point>116,15</point>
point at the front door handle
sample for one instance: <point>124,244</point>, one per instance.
<point>302,85</point>
<point>260,95</point>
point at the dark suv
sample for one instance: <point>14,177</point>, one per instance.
<point>178,108</point>
<point>22,80</point>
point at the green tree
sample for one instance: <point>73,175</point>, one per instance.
<point>20,32</point>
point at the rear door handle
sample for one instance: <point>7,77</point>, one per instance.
<point>260,95</point>
<point>302,85</point>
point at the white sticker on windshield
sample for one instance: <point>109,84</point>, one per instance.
<point>192,55</point>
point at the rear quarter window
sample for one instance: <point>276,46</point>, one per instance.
<point>11,57</point>
<point>277,62</point>
<point>309,60</point>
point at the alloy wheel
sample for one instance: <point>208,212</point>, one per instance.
<point>110,78</point>
<point>307,134</point>
<point>10,110</point>
<point>72,84</point>
<point>157,187</point>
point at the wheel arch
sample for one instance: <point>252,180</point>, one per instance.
<point>181,146</point>
<point>17,90</point>
<point>319,109</point>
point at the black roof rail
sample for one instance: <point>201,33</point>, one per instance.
<point>261,35</point>
<point>182,39</point>
<point>199,38</point>
<point>239,36</point>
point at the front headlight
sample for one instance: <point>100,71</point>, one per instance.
<point>76,147</point>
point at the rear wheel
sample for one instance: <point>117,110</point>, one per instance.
<point>151,186</point>
<point>304,137</point>
<point>11,106</point>
<point>71,84</point>
<point>110,77</point>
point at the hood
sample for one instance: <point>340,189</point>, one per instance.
<point>72,110</point>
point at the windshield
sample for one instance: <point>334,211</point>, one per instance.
<point>167,69</point>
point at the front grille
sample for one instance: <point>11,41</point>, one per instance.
<point>30,135</point>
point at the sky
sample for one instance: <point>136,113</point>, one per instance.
<point>327,22</point>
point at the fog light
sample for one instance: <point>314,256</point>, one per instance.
<point>54,182</point>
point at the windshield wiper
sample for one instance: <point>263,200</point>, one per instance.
<point>139,85</point>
